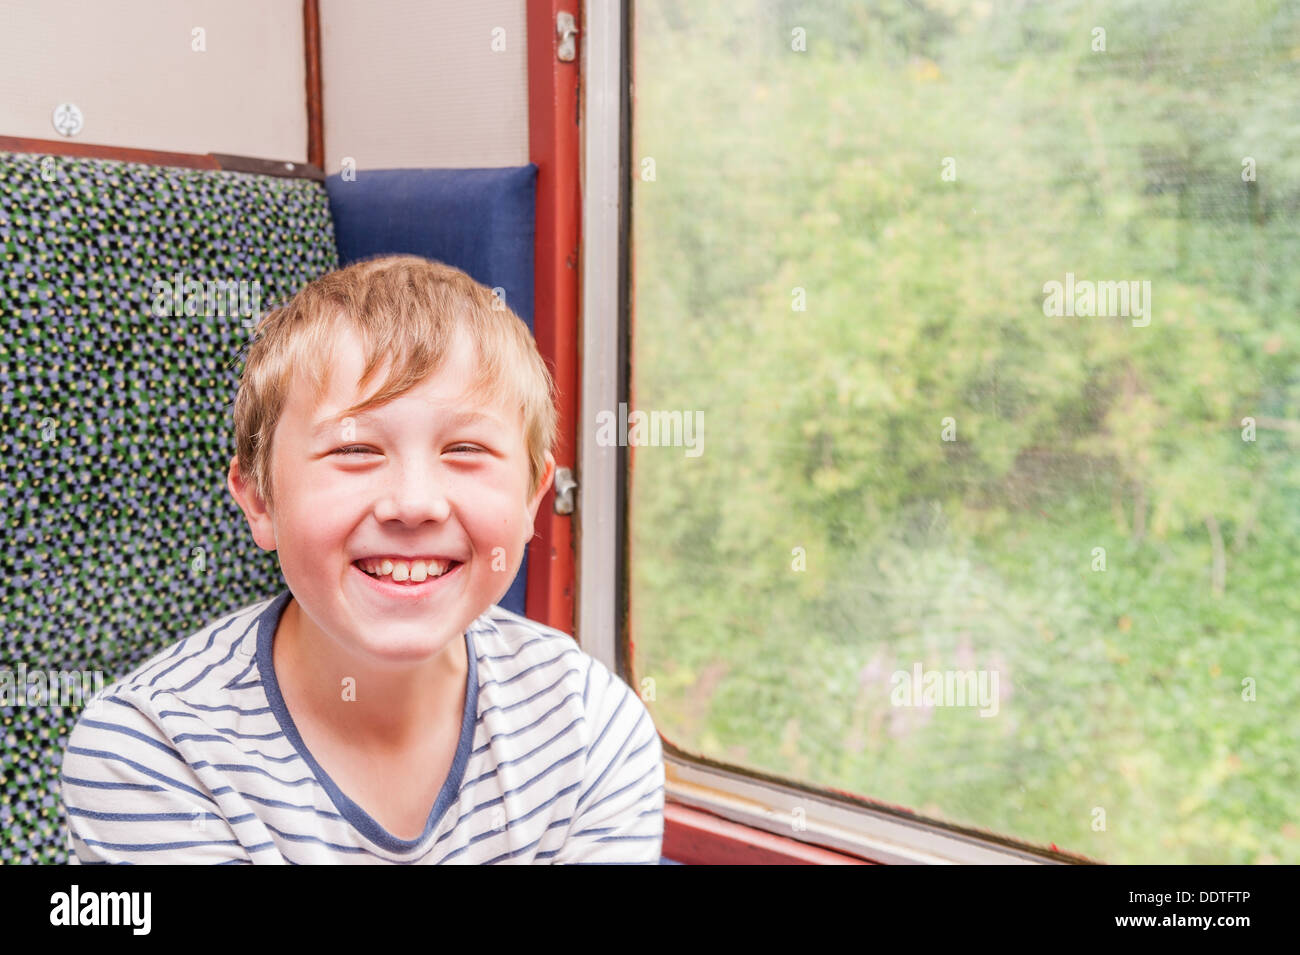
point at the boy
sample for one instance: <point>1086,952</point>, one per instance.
<point>382,709</point>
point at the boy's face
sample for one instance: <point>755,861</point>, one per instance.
<point>432,474</point>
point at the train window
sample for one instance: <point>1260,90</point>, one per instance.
<point>963,410</point>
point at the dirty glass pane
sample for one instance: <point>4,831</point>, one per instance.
<point>982,494</point>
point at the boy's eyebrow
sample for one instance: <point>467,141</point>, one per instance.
<point>455,419</point>
<point>330,424</point>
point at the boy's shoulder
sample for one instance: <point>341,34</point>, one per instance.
<point>196,678</point>
<point>511,641</point>
<point>534,676</point>
<point>505,629</point>
<point>186,664</point>
<point>519,653</point>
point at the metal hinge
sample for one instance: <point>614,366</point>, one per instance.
<point>566,30</point>
<point>565,490</point>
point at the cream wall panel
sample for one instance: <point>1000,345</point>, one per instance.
<point>128,65</point>
<point>416,83</point>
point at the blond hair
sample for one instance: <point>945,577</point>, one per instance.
<point>407,311</point>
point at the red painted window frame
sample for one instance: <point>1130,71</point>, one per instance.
<point>695,837</point>
<point>553,145</point>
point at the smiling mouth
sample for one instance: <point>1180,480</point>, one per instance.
<point>409,573</point>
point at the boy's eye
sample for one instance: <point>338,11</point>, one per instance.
<point>360,449</point>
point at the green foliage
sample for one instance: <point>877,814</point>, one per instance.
<point>822,171</point>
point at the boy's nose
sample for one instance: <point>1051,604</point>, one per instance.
<point>414,495</point>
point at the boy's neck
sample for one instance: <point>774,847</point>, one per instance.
<point>387,708</point>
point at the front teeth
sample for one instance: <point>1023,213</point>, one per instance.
<point>416,571</point>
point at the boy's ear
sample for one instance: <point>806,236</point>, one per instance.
<point>542,487</point>
<point>254,508</point>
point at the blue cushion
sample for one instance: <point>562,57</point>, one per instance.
<point>479,220</point>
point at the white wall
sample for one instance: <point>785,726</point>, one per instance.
<point>406,83</point>
<point>416,83</point>
<point>130,67</point>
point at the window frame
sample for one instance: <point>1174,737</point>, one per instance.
<point>802,814</point>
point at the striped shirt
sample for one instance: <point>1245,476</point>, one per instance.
<point>193,758</point>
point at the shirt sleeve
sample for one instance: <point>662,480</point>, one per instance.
<point>131,798</point>
<point>619,815</point>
